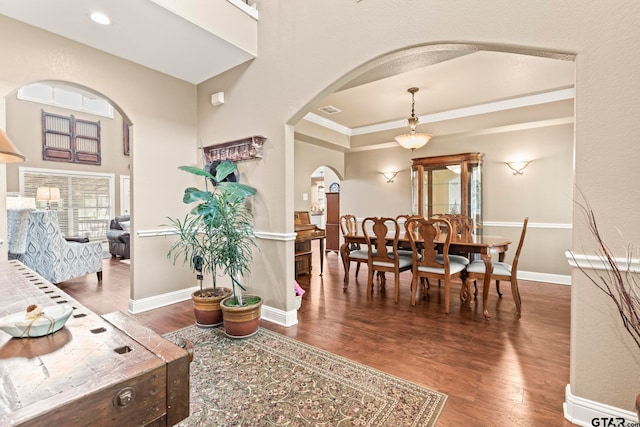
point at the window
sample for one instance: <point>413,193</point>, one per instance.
<point>87,199</point>
<point>71,98</point>
<point>67,139</point>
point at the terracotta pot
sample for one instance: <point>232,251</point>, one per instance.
<point>206,306</point>
<point>241,321</point>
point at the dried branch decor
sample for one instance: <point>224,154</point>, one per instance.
<point>621,284</point>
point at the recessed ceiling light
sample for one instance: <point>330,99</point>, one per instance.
<point>100,18</point>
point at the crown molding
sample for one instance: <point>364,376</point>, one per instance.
<point>491,107</point>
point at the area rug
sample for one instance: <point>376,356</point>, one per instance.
<point>272,380</point>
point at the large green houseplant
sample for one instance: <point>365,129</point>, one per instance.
<point>216,234</point>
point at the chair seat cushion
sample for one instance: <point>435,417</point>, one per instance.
<point>454,267</point>
<point>499,268</point>
<point>403,262</point>
<point>454,258</point>
<point>359,254</point>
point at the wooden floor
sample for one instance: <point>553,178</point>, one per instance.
<point>507,371</point>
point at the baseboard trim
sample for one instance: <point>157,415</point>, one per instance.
<point>162,300</point>
<point>582,411</point>
<point>271,314</point>
<point>280,317</point>
<point>558,279</point>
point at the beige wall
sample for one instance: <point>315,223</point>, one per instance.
<point>162,110</point>
<point>308,158</point>
<point>24,126</point>
<point>543,192</point>
<point>300,61</point>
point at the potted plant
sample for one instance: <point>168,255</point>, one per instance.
<point>207,233</point>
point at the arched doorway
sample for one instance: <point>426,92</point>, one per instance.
<point>503,130</point>
<point>49,120</point>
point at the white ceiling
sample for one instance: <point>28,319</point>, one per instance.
<point>456,88</point>
<point>459,94</point>
<point>141,31</point>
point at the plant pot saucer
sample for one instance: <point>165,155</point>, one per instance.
<point>200,325</point>
<point>240,337</point>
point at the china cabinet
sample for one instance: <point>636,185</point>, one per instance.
<point>450,184</point>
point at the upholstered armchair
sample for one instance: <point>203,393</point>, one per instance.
<point>119,237</point>
<point>51,256</point>
<point>17,221</point>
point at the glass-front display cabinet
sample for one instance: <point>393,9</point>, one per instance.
<point>450,184</point>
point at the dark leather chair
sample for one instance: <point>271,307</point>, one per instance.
<point>119,237</point>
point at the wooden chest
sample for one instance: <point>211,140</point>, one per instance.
<point>96,370</point>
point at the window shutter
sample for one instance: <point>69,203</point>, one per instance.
<point>67,139</point>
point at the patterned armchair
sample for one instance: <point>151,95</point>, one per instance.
<point>54,258</point>
<point>17,221</point>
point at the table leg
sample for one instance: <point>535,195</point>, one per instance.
<point>344,254</point>
<point>501,259</point>
<point>488,270</point>
<point>321,254</point>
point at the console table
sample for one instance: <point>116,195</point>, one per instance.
<point>96,370</point>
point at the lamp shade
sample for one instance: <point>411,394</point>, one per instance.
<point>413,140</point>
<point>48,194</point>
<point>8,151</point>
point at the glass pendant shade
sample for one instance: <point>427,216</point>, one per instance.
<point>413,139</point>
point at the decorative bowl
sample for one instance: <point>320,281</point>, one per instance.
<point>53,318</point>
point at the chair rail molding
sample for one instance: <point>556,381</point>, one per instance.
<point>263,235</point>
<point>594,262</point>
<point>530,225</point>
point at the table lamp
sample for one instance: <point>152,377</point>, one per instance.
<point>48,194</point>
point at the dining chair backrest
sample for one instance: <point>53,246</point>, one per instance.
<point>381,235</point>
<point>516,256</point>
<point>349,225</point>
<point>404,246</point>
<point>462,225</point>
<point>402,219</point>
<point>423,233</point>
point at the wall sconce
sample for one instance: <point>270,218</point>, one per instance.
<point>48,194</point>
<point>518,167</point>
<point>390,175</point>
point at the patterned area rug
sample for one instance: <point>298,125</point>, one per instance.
<point>272,380</point>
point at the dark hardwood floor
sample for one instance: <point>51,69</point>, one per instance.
<point>507,371</point>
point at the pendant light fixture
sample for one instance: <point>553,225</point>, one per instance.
<point>413,140</point>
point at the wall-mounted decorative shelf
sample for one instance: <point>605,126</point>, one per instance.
<point>241,149</point>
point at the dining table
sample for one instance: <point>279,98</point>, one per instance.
<point>478,243</point>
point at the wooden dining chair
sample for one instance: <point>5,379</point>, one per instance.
<point>381,235</point>
<point>427,262</point>
<point>349,227</point>
<point>404,247</point>
<point>501,271</point>
<point>462,229</point>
